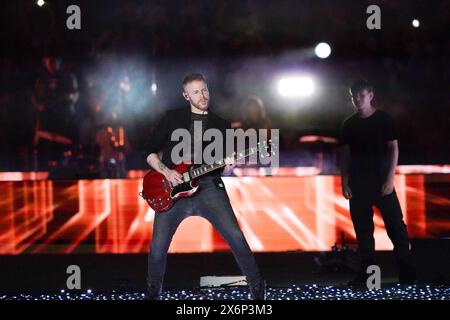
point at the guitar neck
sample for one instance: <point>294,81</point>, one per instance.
<point>207,168</point>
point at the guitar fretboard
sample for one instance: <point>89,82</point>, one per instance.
<point>195,173</point>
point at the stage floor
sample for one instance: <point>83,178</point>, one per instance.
<point>289,276</point>
<point>295,292</point>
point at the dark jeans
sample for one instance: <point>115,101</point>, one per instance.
<point>363,197</point>
<point>213,204</point>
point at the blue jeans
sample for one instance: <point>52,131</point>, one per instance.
<point>213,204</point>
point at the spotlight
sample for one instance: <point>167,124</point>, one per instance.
<point>154,88</point>
<point>322,50</point>
<point>125,84</point>
<point>416,23</point>
<point>40,3</point>
<point>296,86</point>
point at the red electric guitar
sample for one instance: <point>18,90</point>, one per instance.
<point>161,195</point>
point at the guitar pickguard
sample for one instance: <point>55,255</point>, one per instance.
<point>183,187</point>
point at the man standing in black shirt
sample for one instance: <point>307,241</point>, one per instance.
<point>369,157</point>
<point>211,201</point>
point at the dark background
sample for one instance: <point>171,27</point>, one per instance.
<point>241,47</point>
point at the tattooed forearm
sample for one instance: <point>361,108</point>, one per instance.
<point>162,166</point>
<point>155,162</point>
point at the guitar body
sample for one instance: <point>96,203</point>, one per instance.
<point>159,193</point>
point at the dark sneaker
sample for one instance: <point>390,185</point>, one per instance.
<point>258,290</point>
<point>153,292</point>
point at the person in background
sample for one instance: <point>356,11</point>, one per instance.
<point>369,158</point>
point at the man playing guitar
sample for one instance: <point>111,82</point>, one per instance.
<point>210,202</point>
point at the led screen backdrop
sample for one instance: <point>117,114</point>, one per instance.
<point>275,213</point>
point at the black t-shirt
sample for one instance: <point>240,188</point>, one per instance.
<point>161,138</point>
<point>368,138</point>
<point>197,136</point>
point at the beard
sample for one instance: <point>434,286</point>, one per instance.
<point>201,105</point>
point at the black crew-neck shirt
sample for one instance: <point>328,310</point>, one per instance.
<point>161,141</point>
<point>197,136</point>
<point>368,140</point>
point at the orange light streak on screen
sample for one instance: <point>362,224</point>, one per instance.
<point>275,214</point>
